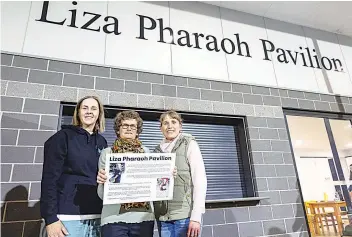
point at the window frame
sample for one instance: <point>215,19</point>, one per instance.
<point>316,114</point>
<point>251,194</point>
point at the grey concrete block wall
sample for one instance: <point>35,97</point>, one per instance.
<point>31,92</point>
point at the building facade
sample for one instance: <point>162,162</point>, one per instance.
<point>201,60</point>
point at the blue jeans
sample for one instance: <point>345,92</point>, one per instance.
<point>83,228</point>
<point>143,229</point>
<point>176,228</point>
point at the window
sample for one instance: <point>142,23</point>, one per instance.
<point>221,141</point>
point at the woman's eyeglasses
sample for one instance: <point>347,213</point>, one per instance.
<point>131,126</point>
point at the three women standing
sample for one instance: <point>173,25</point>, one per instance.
<point>69,202</point>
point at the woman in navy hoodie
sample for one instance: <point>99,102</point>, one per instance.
<point>69,202</point>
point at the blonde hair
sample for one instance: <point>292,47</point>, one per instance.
<point>172,114</point>
<point>126,115</point>
<point>100,123</point>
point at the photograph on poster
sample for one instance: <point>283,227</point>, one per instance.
<point>162,186</point>
<point>115,172</point>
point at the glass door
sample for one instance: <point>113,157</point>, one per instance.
<point>341,132</point>
<point>313,157</point>
<point>322,149</point>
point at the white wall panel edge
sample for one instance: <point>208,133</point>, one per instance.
<point>171,64</point>
<point>344,59</point>
<point>222,31</point>
<point>343,55</point>
<point>130,51</point>
<point>106,35</point>
<point>315,75</point>
<point>82,62</point>
<point>271,56</point>
<point>27,23</point>
<point>289,37</point>
<point>202,18</point>
<point>168,74</point>
<point>327,43</point>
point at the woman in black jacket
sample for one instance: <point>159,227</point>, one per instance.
<point>69,202</point>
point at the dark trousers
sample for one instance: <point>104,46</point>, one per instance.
<point>144,229</point>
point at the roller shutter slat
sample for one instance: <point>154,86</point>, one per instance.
<point>219,147</point>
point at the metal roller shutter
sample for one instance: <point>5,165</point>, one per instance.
<point>220,149</point>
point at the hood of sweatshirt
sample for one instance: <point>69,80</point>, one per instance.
<point>81,131</point>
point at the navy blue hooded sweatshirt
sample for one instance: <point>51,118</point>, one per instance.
<point>69,180</point>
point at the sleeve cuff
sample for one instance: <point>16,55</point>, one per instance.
<point>51,219</point>
<point>100,191</point>
<point>196,216</point>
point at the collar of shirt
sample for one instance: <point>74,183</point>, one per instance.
<point>166,146</point>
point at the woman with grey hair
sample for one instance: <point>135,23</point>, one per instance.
<point>127,219</point>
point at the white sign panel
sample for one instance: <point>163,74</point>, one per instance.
<point>189,39</point>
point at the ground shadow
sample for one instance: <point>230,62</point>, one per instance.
<point>18,216</point>
<point>300,224</point>
<point>275,231</point>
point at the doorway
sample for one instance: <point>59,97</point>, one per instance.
<point>322,149</point>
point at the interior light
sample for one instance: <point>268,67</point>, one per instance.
<point>298,142</point>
